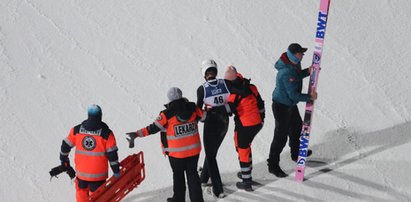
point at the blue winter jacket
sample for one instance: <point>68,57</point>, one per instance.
<point>289,82</point>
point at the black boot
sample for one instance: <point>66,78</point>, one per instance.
<point>219,193</point>
<point>245,185</point>
<point>254,183</point>
<point>171,199</point>
<point>275,169</point>
<point>294,157</point>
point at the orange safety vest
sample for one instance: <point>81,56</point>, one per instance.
<point>181,138</point>
<point>91,148</point>
<point>247,107</point>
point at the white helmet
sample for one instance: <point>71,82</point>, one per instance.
<point>207,64</point>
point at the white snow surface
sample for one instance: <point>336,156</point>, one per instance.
<point>59,56</point>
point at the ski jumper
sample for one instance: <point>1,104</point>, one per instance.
<point>213,94</point>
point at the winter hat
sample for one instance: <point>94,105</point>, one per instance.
<point>94,112</point>
<point>207,64</point>
<point>230,73</point>
<point>174,93</point>
<point>296,48</point>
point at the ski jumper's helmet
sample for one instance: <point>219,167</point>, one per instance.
<point>207,64</point>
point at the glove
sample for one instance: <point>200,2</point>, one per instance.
<point>116,175</point>
<point>130,139</point>
<point>65,164</point>
<point>71,172</point>
<point>66,167</point>
<point>132,136</point>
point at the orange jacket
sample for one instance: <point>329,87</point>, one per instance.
<point>247,104</point>
<point>179,129</point>
<point>92,150</point>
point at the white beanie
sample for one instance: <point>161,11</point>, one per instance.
<point>174,93</point>
<point>230,73</point>
<point>207,64</point>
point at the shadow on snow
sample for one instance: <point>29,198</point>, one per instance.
<point>349,144</point>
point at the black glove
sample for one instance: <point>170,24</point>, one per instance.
<point>64,167</point>
<point>70,171</point>
<point>132,136</point>
<point>65,164</point>
<point>56,171</point>
<point>130,139</point>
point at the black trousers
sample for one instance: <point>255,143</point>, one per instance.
<point>288,124</point>
<point>92,185</point>
<point>181,167</point>
<point>215,129</point>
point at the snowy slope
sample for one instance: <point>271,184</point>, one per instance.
<point>57,57</point>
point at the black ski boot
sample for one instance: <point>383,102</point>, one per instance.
<point>275,169</point>
<point>245,185</point>
<point>171,199</point>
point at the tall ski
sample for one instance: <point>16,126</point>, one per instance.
<point>309,108</point>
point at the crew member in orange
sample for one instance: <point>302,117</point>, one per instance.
<point>180,141</point>
<point>248,107</point>
<point>95,147</point>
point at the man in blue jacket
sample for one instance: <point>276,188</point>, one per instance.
<point>286,95</point>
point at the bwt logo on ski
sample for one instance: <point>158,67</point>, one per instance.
<point>185,129</point>
<point>302,152</point>
<point>322,20</point>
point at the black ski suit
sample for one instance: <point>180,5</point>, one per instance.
<point>215,129</point>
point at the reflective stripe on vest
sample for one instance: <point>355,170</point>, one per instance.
<point>180,137</point>
<point>90,153</point>
<point>181,149</point>
<point>88,175</point>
